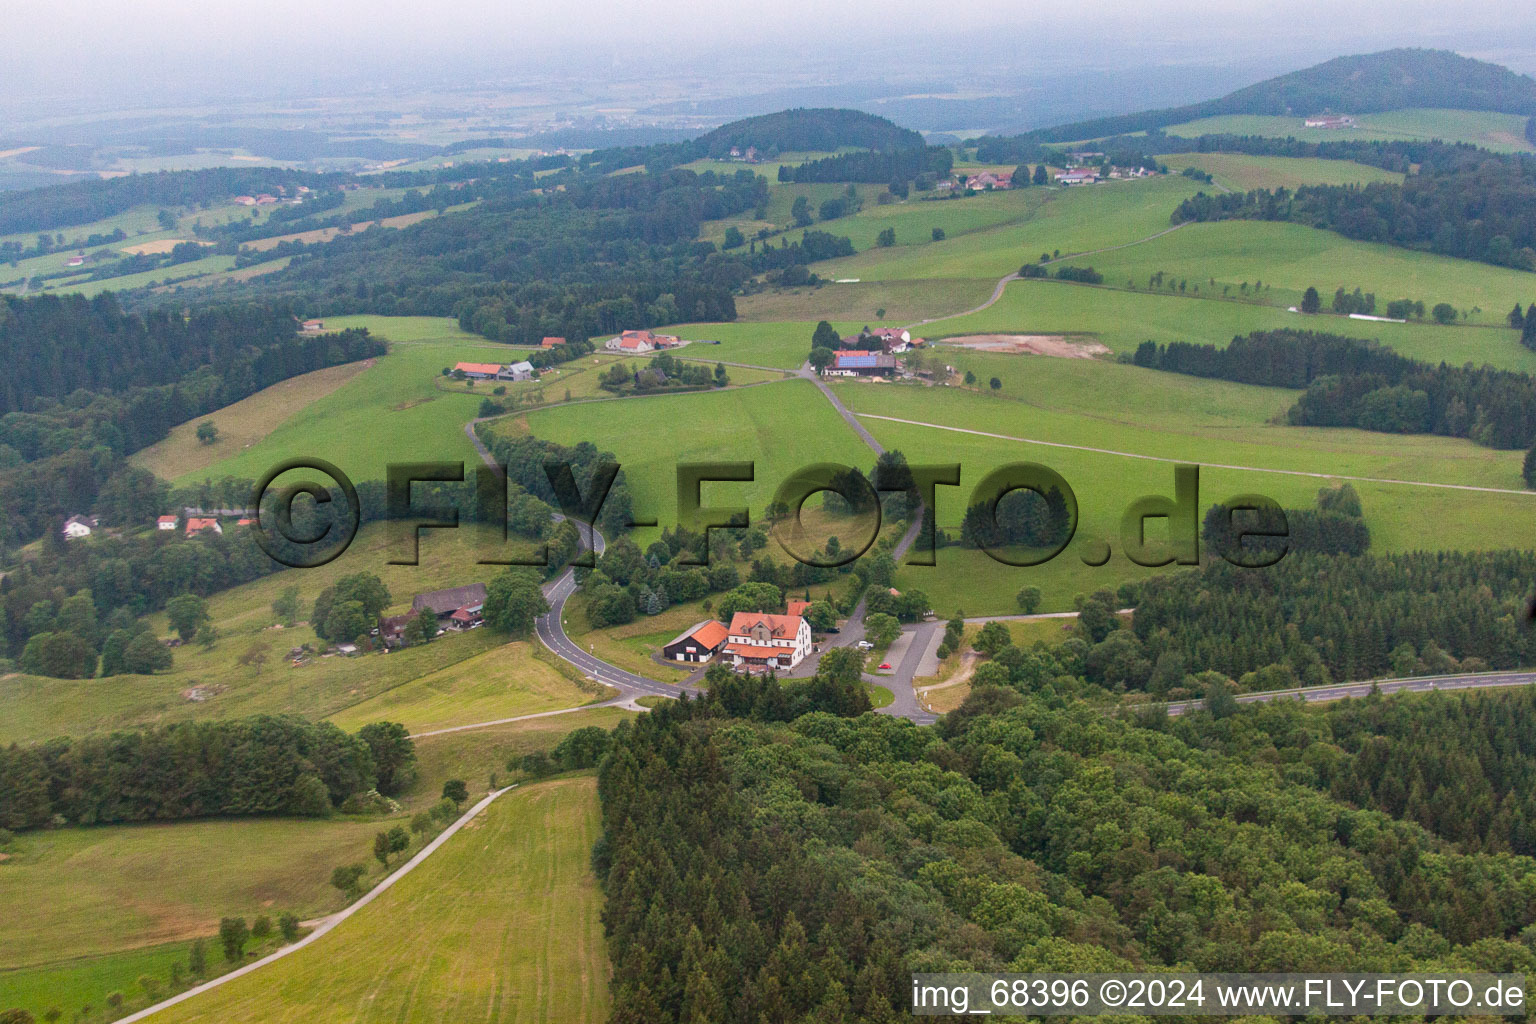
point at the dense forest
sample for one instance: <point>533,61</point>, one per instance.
<point>1357,84</point>
<point>764,870</point>
<point>259,765</point>
<point>1481,207</point>
<point>1336,526</point>
<point>1317,618</point>
<point>824,129</point>
<point>1351,382</point>
<point>601,255</point>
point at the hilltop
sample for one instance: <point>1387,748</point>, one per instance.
<point>810,129</point>
<point>1358,84</point>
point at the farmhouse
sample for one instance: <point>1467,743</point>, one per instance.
<point>76,527</point>
<point>199,524</point>
<point>478,371</point>
<point>796,607</point>
<point>639,342</point>
<point>758,642</point>
<point>988,181</point>
<point>551,342</point>
<point>166,523</point>
<point>444,603</point>
<point>1329,121</point>
<point>392,628</point>
<point>517,371</point>
<point>700,642</point>
<point>464,618</point>
<point>246,200</point>
<point>312,325</point>
<point>76,260</point>
<point>1078,176</point>
<point>858,363</point>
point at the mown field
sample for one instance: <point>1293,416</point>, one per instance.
<point>500,925</point>
<point>1498,132</point>
<point>1123,319</point>
<point>1218,259</point>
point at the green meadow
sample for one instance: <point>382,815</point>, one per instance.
<point>1066,219</point>
<point>455,679</point>
<point>1242,172</point>
<point>1218,258</point>
<point>1498,132</point>
<point>1049,410</point>
<point>1123,319</point>
<point>500,925</point>
<point>778,427</point>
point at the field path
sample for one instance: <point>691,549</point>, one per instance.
<point>326,924</point>
<point>1212,465</point>
<point>997,293</point>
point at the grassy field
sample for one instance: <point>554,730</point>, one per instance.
<point>1169,417</point>
<point>1124,319</point>
<point>111,888</point>
<point>1069,220</point>
<point>861,301</point>
<point>1498,132</point>
<point>507,679</point>
<point>502,682</point>
<point>630,646</point>
<point>500,925</point>
<point>242,424</point>
<point>1241,172</point>
<point>1290,257</point>
<point>780,427</point>
<point>89,939</point>
<point>392,412</point>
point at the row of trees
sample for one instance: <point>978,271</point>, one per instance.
<point>1479,209</point>
<point>258,765</point>
<point>1351,382</point>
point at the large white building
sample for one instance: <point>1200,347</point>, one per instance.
<point>759,642</point>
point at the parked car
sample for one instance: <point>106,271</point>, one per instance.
<point>885,664</point>
<point>865,645</point>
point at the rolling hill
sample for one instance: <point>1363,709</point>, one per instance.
<point>1362,83</point>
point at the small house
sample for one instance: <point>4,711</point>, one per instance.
<point>517,371</point>
<point>443,603</point>
<point>166,523</point>
<point>551,342</point>
<point>76,527</point>
<point>199,524</point>
<point>467,617</point>
<point>313,325</point>
<point>700,642</point>
<point>392,628</point>
<point>1078,176</point>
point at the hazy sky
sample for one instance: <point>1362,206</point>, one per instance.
<point>106,49</point>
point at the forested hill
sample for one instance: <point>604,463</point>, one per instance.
<point>1359,84</point>
<point>804,129</point>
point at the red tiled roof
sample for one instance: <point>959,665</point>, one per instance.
<point>711,634</point>
<point>487,368</point>
<point>551,342</point>
<point>797,608</point>
<point>755,652</point>
<point>778,625</point>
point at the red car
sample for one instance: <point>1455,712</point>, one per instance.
<point>885,664</point>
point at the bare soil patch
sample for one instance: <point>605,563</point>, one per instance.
<point>1062,346</point>
<point>158,247</point>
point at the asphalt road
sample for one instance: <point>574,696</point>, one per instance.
<point>1417,684</point>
